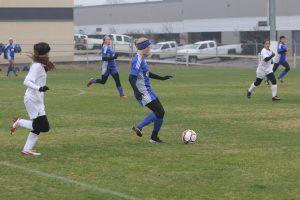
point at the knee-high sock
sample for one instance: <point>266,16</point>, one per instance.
<point>157,125</point>
<point>120,90</point>
<point>15,71</point>
<point>147,120</point>
<point>252,87</point>
<point>31,141</point>
<point>26,124</point>
<point>9,69</point>
<point>274,90</point>
<point>282,73</point>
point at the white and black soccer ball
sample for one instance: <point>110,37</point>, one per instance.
<point>189,136</point>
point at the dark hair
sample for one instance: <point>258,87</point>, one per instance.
<point>40,50</point>
<point>265,41</point>
<point>281,37</point>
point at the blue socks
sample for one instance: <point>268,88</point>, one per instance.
<point>120,89</point>
<point>157,124</point>
<point>11,69</point>
<point>282,74</point>
<point>147,120</point>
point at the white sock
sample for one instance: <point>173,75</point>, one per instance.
<point>274,90</point>
<point>31,141</point>
<point>26,124</point>
<point>252,87</point>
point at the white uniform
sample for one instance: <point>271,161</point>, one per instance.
<point>264,68</point>
<point>34,99</point>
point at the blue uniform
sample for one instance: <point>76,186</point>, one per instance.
<point>108,67</point>
<point>9,51</point>
<point>282,53</point>
<point>140,69</point>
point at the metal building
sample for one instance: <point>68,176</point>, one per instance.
<point>227,21</point>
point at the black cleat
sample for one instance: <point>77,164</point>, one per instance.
<point>137,131</point>
<point>276,98</point>
<point>156,140</point>
<point>248,94</point>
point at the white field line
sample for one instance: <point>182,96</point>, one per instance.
<point>69,181</point>
<point>80,92</point>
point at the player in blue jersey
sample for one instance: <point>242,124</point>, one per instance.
<point>109,67</point>
<point>9,53</point>
<point>282,51</point>
<point>139,79</point>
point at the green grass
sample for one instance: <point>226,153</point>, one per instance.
<point>246,149</point>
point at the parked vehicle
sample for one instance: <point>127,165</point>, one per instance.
<point>79,41</point>
<point>163,50</point>
<point>122,44</point>
<point>207,49</point>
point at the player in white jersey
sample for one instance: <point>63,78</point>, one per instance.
<point>265,69</point>
<point>35,82</point>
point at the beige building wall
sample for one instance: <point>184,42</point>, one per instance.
<point>58,33</point>
<point>36,3</point>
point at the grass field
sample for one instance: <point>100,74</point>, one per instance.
<point>246,149</point>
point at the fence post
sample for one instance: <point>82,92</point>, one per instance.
<point>294,55</point>
<point>87,57</point>
<point>216,64</point>
<point>187,59</point>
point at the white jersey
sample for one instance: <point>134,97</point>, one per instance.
<point>264,68</point>
<point>263,64</point>
<point>35,79</point>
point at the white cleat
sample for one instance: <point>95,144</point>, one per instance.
<point>30,153</point>
<point>14,126</point>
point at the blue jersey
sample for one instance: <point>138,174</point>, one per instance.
<point>282,52</point>
<point>140,69</point>
<point>9,51</point>
<point>107,51</point>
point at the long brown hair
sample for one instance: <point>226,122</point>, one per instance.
<point>40,50</point>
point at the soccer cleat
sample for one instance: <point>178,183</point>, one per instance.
<point>137,131</point>
<point>30,153</point>
<point>276,98</point>
<point>123,96</point>
<point>15,125</point>
<point>248,94</point>
<point>155,140</point>
<point>91,82</point>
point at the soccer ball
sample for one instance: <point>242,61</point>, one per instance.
<point>189,136</point>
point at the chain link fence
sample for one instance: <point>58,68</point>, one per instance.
<point>202,54</point>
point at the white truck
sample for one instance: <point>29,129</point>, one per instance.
<point>207,49</point>
<point>163,50</point>
<point>122,44</point>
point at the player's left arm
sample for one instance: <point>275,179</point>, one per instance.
<point>158,77</point>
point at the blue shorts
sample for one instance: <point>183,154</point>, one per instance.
<point>109,70</point>
<point>148,97</point>
<point>281,61</point>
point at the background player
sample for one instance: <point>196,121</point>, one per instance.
<point>265,69</point>
<point>109,67</point>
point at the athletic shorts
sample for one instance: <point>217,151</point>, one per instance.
<point>148,97</point>
<point>262,73</point>
<point>108,70</point>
